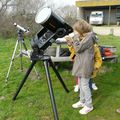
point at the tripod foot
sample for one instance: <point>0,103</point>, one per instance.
<point>21,70</point>
<point>24,80</point>
<point>6,79</point>
<point>38,76</point>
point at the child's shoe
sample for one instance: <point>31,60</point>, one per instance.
<point>78,104</point>
<point>94,87</point>
<point>76,88</point>
<point>85,110</point>
<point>118,110</point>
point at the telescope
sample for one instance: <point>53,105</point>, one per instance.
<point>53,27</point>
<point>21,28</point>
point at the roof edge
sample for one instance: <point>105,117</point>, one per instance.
<point>96,3</point>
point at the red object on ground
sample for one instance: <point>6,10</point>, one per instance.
<point>107,50</point>
<point>108,53</point>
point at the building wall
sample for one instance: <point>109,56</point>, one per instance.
<point>99,5</point>
<point>87,11</point>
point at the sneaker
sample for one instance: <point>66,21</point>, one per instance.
<point>76,88</point>
<point>94,87</point>
<point>118,110</point>
<point>85,110</point>
<point>78,104</point>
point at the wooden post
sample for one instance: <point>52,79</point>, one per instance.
<point>109,16</point>
<point>80,13</point>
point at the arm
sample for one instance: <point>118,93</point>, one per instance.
<point>69,41</point>
<point>98,58</point>
<point>72,52</point>
<point>71,48</point>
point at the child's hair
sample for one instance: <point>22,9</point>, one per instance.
<point>82,27</point>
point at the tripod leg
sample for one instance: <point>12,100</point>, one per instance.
<point>21,65</point>
<point>29,57</point>
<point>36,72</point>
<point>58,75</point>
<point>25,46</point>
<point>51,91</point>
<point>11,62</point>
<point>24,79</point>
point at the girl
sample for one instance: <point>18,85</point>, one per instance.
<point>83,65</point>
<point>97,65</point>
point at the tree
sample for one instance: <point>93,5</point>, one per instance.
<point>20,11</point>
<point>69,13</point>
<point>23,13</point>
<point>4,5</point>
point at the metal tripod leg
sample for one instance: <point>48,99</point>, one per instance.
<point>51,91</point>
<point>58,75</point>
<point>11,62</point>
<point>21,61</point>
<point>29,57</point>
<point>24,79</point>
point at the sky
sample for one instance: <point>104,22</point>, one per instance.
<point>64,2</point>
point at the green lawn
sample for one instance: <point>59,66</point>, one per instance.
<point>33,101</point>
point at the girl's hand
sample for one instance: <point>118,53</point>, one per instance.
<point>69,40</point>
<point>69,43</point>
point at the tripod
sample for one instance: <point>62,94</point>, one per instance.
<point>47,61</point>
<point>20,41</point>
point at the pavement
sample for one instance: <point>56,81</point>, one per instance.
<point>107,30</point>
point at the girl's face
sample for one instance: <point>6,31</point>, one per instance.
<point>78,34</point>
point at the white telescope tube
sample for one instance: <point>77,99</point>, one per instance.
<point>21,28</point>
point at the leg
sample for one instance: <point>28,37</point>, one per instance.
<point>93,85</point>
<point>13,55</point>
<point>82,96</point>
<point>90,84</point>
<point>58,75</point>
<point>50,90</point>
<point>76,87</point>
<point>88,107</point>
<point>24,79</point>
<point>87,92</point>
<point>81,102</point>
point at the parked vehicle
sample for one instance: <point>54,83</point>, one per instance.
<point>96,18</point>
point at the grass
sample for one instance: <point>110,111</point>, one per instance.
<point>33,101</point>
